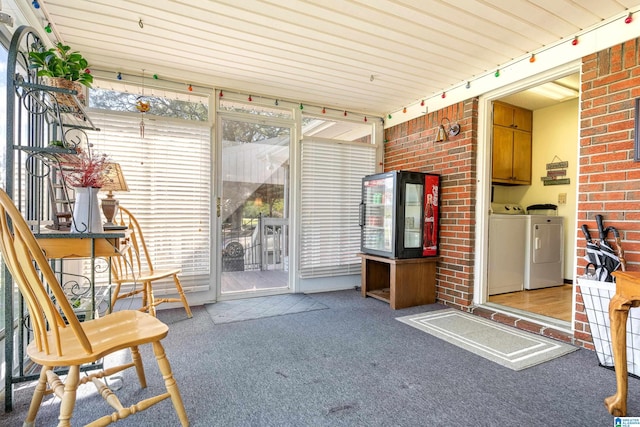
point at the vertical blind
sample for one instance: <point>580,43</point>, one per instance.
<point>332,173</point>
<point>169,176</point>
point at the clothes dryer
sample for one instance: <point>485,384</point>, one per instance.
<point>544,255</point>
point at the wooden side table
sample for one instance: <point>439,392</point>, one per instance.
<point>627,296</point>
<point>400,282</point>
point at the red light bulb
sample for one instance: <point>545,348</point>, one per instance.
<point>575,41</point>
<point>628,19</point>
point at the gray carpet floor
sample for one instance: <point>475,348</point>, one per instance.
<point>352,364</point>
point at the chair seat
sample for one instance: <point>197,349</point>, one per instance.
<point>107,334</point>
<point>146,276</point>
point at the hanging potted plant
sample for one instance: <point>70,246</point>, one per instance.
<point>63,68</point>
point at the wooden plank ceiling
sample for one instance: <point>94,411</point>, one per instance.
<point>369,56</point>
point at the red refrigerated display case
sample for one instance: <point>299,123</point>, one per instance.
<point>399,214</point>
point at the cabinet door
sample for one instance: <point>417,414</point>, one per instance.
<point>521,157</point>
<point>502,114</point>
<point>522,119</point>
<point>502,155</point>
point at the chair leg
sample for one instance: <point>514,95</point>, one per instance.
<point>69,397</point>
<point>36,400</point>
<point>114,296</point>
<point>137,361</point>
<point>182,296</point>
<point>150,299</point>
<point>170,382</point>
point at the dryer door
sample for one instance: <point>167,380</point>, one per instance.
<point>546,243</point>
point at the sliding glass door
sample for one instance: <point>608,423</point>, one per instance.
<point>254,207</point>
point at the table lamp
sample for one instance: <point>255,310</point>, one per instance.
<point>114,181</point>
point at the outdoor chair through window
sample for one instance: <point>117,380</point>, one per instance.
<point>61,341</point>
<point>135,269</point>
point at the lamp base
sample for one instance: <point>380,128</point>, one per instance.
<point>109,209</point>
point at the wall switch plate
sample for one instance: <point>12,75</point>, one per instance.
<point>562,198</point>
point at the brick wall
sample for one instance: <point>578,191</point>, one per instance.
<point>411,146</point>
<point>609,179</point>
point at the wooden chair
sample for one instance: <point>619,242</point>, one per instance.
<point>135,268</point>
<point>61,340</point>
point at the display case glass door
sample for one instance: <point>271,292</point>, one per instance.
<point>413,215</point>
<point>378,226</point>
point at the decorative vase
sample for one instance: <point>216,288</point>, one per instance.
<point>86,211</point>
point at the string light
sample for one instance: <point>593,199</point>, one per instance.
<point>119,76</point>
<point>250,99</point>
<point>190,88</point>
<point>390,116</point>
<point>532,58</point>
<point>324,110</point>
<point>422,103</point>
<point>365,119</point>
<point>301,106</point>
<point>276,103</point>
<point>444,95</point>
<point>404,110</point>
<point>48,28</point>
<point>221,94</point>
<point>345,113</point>
<point>35,4</point>
<point>155,77</point>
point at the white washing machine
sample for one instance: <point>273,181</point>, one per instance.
<point>544,255</point>
<point>507,245</point>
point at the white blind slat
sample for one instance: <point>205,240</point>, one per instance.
<point>169,176</point>
<point>331,192</point>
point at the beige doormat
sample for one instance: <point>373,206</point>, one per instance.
<point>257,308</point>
<point>505,345</point>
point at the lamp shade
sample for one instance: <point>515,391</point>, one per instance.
<point>114,180</point>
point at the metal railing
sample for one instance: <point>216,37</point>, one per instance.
<point>256,246</point>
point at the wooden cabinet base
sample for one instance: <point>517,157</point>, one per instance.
<point>400,282</point>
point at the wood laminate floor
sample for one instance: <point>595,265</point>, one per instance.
<point>553,302</point>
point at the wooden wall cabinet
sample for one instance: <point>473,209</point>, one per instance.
<point>511,144</point>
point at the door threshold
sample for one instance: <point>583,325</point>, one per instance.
<point>539,319</point>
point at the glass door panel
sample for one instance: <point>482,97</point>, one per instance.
<point>377,232</point>
<point>413,215</point>
<point>254,207</point>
